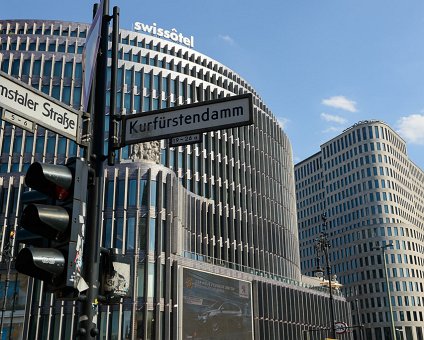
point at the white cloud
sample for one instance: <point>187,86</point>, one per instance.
<point>227,39</point>
<point>411,128</point>
<point>283,122</point>
<point>340,102</point>
<point>333,118</point>
<point>332,129</point>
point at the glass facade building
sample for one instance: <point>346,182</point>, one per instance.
<point>225,206</point>
<point>372,194</point>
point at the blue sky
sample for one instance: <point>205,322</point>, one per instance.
<point>319,65</point>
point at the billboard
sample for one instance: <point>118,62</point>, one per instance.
<point>215,307</point>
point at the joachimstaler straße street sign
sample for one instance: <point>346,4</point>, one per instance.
<point>37,107</point>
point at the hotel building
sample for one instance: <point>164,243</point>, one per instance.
<point>219,214</point>
<point>373,196</point>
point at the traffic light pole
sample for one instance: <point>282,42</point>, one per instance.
<point>7,255</point>
<point>113,118</point>
<point>89,316</point>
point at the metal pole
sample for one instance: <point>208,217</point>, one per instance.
<point>6,288</point>
<point>333,325</point>
<point>322,246</point>
<point>358,316</point>
<point>89,323</point>
<point>113,135</point>
<point>13,308</point>
<point>392,321</point>
<point>8,256</point>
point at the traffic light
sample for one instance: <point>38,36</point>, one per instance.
<point>53,226</point>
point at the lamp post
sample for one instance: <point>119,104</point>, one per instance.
<point>389,297</point>
<point>7,255</point>
<point>358,316</point>
<point>321,247</point>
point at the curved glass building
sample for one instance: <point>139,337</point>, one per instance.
<point>218,214</point>
<point>373,196</point>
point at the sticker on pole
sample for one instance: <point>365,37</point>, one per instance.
<point>341,327</point>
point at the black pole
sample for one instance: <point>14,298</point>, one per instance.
<point>113,137</point>
<point>13,307</point>
<point>8,257</point>
<point>6,288</point>
<point>358,316</point>
<point>333,325</point>
<point>322,246</point>
<point>89,319</point>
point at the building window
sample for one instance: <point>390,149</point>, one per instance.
<point>130,234</point>
<point>119,233</point>
<point>143,193</point>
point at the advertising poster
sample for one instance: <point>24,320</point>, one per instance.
<point>215,307</point>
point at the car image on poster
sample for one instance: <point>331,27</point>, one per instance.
<point>215,307</point>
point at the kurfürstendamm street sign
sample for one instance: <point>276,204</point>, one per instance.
<point>228,112</point>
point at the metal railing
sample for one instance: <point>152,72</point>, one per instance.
<point>254,271</point>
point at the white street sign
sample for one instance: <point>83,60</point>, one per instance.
<point>14,119</point>
<point>89,55</point>
<point>34,106</point>
<point>186,139</point>
<point>182,120</point>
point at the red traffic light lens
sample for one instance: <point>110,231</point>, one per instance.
<point>61,193</point>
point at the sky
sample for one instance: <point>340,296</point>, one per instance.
<point>319,65</point>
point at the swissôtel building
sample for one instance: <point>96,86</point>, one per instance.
<point>210,228</point>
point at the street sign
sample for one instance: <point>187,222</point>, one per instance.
<point>341,327</point>
<point>182,120</point>
<point>14,119</point>
<point>184,140</point>
<point>89,54</point>
<point>35,106</point>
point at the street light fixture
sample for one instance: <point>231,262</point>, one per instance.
<point>321,247</point>
<point>400,331</point>
<point>389,297</point>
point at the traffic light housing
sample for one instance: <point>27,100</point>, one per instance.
<point>52,225</point>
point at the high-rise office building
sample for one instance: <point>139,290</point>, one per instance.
<point>210,228</point>
<point>372,194</point>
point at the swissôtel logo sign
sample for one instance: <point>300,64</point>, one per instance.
<point>171,34</point>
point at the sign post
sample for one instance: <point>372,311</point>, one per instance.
<point>88,326</point>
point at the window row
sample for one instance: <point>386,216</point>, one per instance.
<point>41,45</point>
<point>356,135</point>
<point>46,29</point>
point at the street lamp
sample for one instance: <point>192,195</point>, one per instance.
<point>321,247</point>
<point>389,297</point>
<point>7,255</point>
